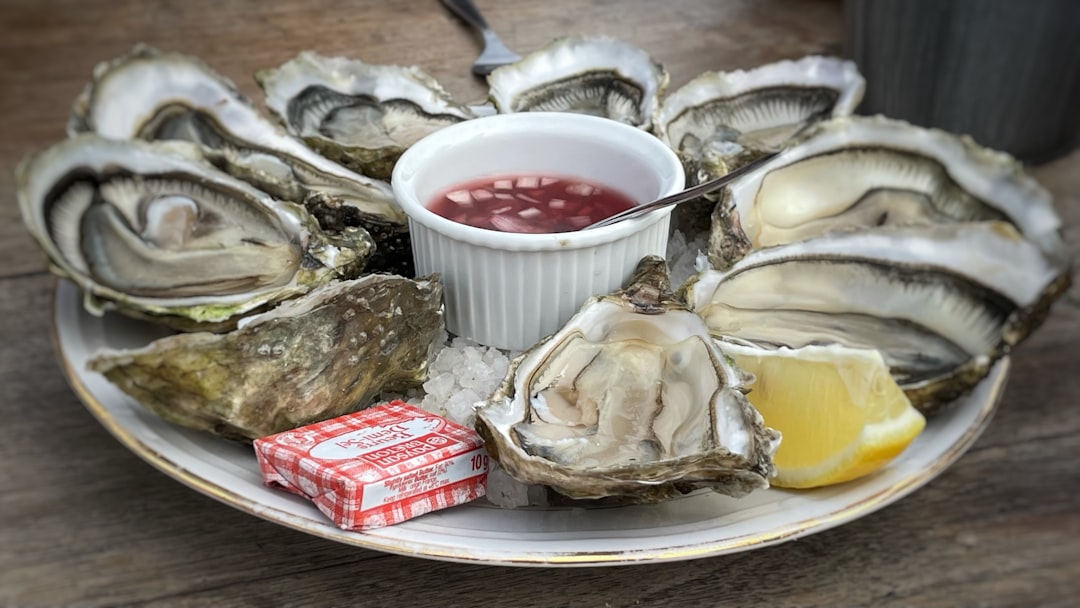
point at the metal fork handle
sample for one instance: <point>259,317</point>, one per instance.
<point>685,195</point>
<point>467,11</point>
<point>700,189</point>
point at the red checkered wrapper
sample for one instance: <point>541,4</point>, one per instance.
<point>379,466</point>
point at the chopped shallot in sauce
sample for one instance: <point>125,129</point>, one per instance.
<point>529,203</point>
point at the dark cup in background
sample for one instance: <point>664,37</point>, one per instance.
<point>1006,72</point>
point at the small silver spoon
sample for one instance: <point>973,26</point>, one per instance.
<point>684,196</point>
<point>495,52</point>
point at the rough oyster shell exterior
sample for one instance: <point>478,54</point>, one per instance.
<point>315,357</point>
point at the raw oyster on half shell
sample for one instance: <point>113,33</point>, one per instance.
<point>322,355</point>
<point>146,229</point>
<point>631,398</point>
<point>720,121</point>
<point>593,75</point>
<point>941,302</point>
<point>859,172</point>
<point>152,95</point>
<point>360,115</point>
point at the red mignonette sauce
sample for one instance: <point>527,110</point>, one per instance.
<point>529,203</point>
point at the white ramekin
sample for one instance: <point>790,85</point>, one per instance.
<point>510,290</point>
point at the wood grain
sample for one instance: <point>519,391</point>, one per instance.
<point>943,64</point>
<point>85,522</point>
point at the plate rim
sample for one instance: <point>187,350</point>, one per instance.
<point>811,525</point>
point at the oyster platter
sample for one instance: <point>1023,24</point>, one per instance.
<point>229,273</point>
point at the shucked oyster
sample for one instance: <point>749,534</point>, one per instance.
<point>942,303</point>
<point>152,95</point>
<point>144,229</point>
<point>312,358</point>
<point>868,172</point>
<point>589,75</point>
<point>630,398</point>
<point>362,116</point>
<point>720,121</point>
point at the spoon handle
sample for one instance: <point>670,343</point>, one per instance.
<point>685,195</point>
<point>468,12</point>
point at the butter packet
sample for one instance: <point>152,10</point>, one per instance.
<point>377,467</point>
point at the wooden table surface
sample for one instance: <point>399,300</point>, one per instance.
<point>85,522</point>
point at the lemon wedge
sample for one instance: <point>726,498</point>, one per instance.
<point>841,414</point>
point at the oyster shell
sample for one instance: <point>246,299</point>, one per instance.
<point>147,230</point>
<point>869,172</point>
<point>590,75</point>
<point>720,121</point>
<point>630,398</point>
<point>362,116</point>
<point>152,95</point>
<point>942,302</point>
<point>322,355</point>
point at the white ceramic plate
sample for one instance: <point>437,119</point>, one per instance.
<point>698,525</point>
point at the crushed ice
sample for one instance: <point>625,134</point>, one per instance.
<point>463,374</point>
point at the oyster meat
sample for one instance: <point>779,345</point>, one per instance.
<point>362,116</point>
<point>153,95</point>
<point>720,121</point>
<point>322,355</point>
<point>586,74</point>
<point>868,172</point>
<point>942,302</point>
<point>630,399</point>
<point>147,229</point>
